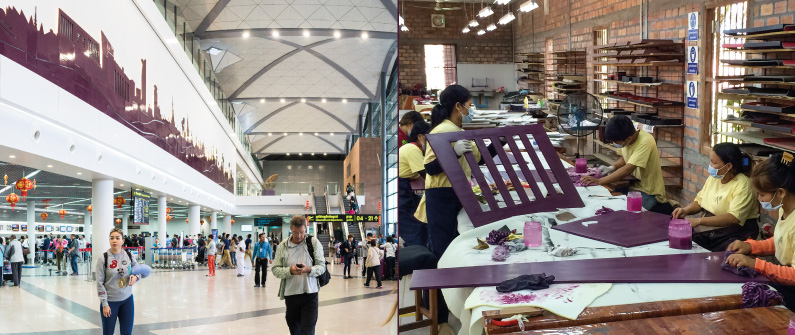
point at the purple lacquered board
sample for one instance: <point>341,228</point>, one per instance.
<point>569,198</point>
<point>681,268</point>
<point>622,228</point>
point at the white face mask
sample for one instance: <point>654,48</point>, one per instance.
<point>768,205</point>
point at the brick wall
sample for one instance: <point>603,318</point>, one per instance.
<point>491,48</point>
<point>365,170</point>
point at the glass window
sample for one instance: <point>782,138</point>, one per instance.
<point>440,66</point>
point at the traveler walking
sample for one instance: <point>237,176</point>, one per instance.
<point>262,256</point>
<point>240,253</point>
<point>373,263</point>
<point>211,256</point>
<point>14,255</point>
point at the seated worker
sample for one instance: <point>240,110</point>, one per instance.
<point>728,199</point>
<point>407,122</point>
<point>640,158</point>
<point>411,167</point>
<point>774,182</point>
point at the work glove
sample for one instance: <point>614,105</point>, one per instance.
<point>604,170</point>
<point>525,282</point>
<point>462,146</point>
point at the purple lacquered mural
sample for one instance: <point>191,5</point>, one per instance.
<point>77,63</point>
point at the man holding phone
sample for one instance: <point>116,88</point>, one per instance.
<point>298,270</point>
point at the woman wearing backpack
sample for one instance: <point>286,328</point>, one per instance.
<point>14,247</point>
<point>373,263</point>
<point>115,279</point>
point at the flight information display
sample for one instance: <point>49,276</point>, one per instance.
<point>141,207</point>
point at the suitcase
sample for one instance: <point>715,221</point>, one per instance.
<point>382,267</point>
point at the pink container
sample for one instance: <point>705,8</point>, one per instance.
<point>532,234</point>
<point>581,165</point>
<point>634,202</point>
<point>680,234</point>
<point>791,327</point>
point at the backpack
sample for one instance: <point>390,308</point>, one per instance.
<point>10,252</point>
<point>324,277</point>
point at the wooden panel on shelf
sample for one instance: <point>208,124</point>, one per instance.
<point>640,64</point>
<point>758,96</point>
<point>639,84</point>
<point>755,137</point>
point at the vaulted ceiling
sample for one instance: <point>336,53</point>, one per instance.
<point>293,68</point>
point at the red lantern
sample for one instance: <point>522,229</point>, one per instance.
<point>119,201</point>
<point>201,222</point>
<point>12,199</point>
<point>186,220</point>
<point>307,205</point>
<point>24,185</point>
<point>168,218</point>
<point>118,221</point>
<point>168,210</point>
<point>233,221</point>
<point>62,212</point>
<point>379,207</point>
<point>90,209</point>
<point>44,216</point>
<point>34,186</point>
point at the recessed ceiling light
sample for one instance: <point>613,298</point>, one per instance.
<point>315,134</point>
<point>246,34</point>
<point>323,101</point>
<point>288,154</point>
<point>303,100</point>
<point>49,166</point>
<point>324,154</point>
<point>121,184</point>
<point>270,134</point>
<point>275,33</point>
<point>306,33</point>
<point>332,134</point>
<point>285,134</point>
<point>345,101</point>
<point>300,134</point>
<point>313,154</point>
<point>79,173</point>
<point>281,100</point>
<point>300,154</point>
<point>262,101</point>
<point>365,35</point>
<point>337,34</point>
<point>12,156</point>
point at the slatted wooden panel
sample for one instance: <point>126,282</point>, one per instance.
<point>534,201</point>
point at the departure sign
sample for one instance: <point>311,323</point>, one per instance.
<point>343,218</point>
<point>268,221</point>
<point>141,207</point>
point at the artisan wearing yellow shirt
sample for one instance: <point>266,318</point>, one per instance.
<point>728,200</point>
<point>411,167</point>
<point>640,158</point>
<point>774,183</point>
<point>439,206</point>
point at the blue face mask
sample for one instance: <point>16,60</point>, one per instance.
<point>618,145</point>
<point>466,118</point>
<point>713,172</point>
<point>768,205</point>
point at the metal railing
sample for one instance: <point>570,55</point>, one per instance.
<point>203,64</point>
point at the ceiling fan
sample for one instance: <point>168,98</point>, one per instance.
<point>438,7</point>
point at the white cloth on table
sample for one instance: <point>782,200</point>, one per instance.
<point>566,300</point>
<point>461,254</point>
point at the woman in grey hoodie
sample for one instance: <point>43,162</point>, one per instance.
<point>115,279</point>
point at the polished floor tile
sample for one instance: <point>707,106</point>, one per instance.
<point>188,302</point>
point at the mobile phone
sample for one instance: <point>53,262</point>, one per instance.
<point>299,266</point>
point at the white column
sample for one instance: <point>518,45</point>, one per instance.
<point>193,219</point>
<point>213,222</point>
<point>87,225</point>
<point>161,218</point>
<point>125,216</point>
<point>227,224</point>
<point>102,217</point>
<point>31,229</point>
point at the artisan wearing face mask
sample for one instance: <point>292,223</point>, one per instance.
<point>639,158</point>
<point>774,182</point>
<point>439,206</point>
<point>726,208</point>
<point>411,171</point>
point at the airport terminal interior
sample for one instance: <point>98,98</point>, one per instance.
<point>157,124</point>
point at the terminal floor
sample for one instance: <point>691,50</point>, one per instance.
<point>188,302</point>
